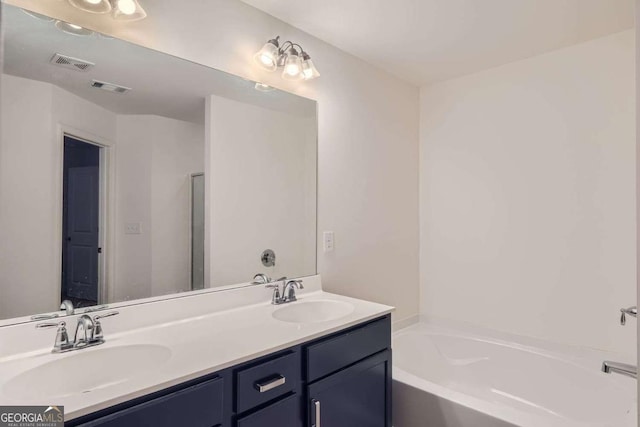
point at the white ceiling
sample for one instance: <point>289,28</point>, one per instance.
<point>423,41</point>
<point>161,84</point>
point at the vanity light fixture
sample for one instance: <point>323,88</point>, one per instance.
<point>308,69</point>
<point>296,63</point>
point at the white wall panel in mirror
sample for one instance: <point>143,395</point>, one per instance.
<point>176,181</point>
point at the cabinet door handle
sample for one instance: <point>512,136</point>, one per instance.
<point>265,385</point>
<point>316,404</point>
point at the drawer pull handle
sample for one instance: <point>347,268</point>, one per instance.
<point>264,386</point>
<point>316,404</point>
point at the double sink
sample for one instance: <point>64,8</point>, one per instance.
<point>101,367</point>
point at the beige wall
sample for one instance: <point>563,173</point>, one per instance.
<point>260,183</point>
<point>153,156</point>
<point>368,135</point>
<point>33,116</point>
<point>154,159</point>
<point>528,198</point>
<point>22,230</point>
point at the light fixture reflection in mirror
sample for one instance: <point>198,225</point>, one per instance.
<point>129,10</point>
<point>261,87</point>
<point>73,29</point>
<point>92,6</point>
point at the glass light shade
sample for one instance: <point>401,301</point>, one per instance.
<point>309,70</point>
<point>292,67</point>
<point>128,10</point>
<point>267,57</point>
<point>92,6</point>
<point>73,29</point>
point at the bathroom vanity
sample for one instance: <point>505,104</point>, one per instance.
<point>340,380</point>
<point>226,358</point>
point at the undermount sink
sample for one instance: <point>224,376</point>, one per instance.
<point>313,311</point>
<point>84,371</point>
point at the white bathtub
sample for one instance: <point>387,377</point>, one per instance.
<point>451,377</point>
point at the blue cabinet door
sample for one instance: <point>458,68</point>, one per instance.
<point>356,396</point>
<point>200,405</point>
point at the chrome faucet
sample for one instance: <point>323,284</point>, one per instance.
<point>631,311</point>
<point>619,368</point>
<point>88,333</point>
<point>67,306</point>
<point>261,279</point>
<point>288,290</point>
<point>275,285</point>
<point>622,368</point>
<point>84,331</point>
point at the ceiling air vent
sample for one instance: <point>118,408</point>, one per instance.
<point>109,87</point>
<point>71,63</point>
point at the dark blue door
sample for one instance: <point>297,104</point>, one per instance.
<point>83,189</point>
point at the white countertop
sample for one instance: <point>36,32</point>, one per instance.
<point>199,345</point>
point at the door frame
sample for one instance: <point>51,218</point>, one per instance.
<point>106,235</point>
<point>191,177</point>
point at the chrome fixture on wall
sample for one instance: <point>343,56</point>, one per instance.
<point>296,64</point>
<point>631,311</point>
<point>268,258</point>
<point>609,366</point>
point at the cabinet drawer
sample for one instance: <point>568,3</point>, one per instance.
<point>333,354</point>
<point>285,413</point>
<point>267,380</point>
<point>196,406</point>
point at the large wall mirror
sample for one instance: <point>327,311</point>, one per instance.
<point>126,173</point>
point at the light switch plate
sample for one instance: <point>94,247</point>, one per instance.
<point>133,228</point>
<point>328,241</point>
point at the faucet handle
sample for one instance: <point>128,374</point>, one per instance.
<point>275,298</point>
<point>95,308</point>
<point>97,326</point>
<point>102,316</point>
<point>50,325</point>
<point>62,337</point>
<point>44,316</point>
